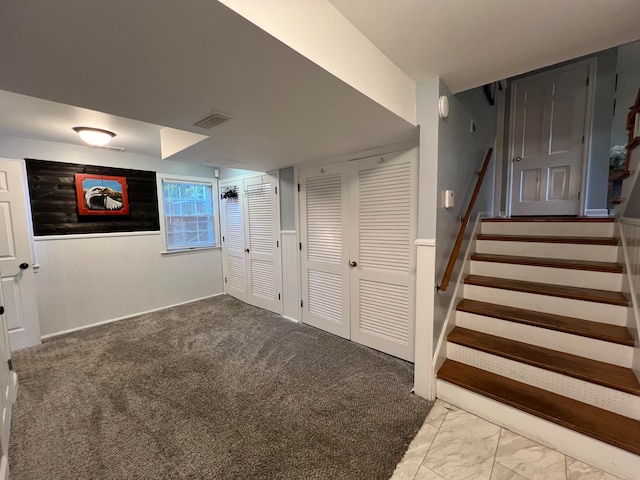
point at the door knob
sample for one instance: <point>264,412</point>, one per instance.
<point>246,250</point>
<point>517,159</point>
<point>24,266</point>
<point>353,264</point>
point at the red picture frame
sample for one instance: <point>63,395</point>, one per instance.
<point>101,194</point>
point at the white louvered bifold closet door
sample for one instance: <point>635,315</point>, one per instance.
<point>233,244</point>
<point>262,233</point>
<point>383,202</point>
<point>324,256</point>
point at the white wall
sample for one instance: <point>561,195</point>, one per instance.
<point>321,33</point>
<point>84,280</point>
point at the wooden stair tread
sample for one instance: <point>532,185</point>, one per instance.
<point>564,219</point>
<point>574,326</point>
<point>563,291</point>
<point>550,262</point>
<point>548,239</point>
<point>605,374</point>
<point>603,425</point>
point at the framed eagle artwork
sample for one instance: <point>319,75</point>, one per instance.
<point>101,195</point>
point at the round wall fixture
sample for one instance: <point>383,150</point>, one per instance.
<point>443,106</point>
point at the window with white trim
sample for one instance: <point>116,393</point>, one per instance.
<point>189,214</point>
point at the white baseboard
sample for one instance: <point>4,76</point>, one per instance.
<point>4,468</point>
<point>111,320</point>
<point>291,319</point>
<point>13,387</point>
<point>606,457</point>
<point>596,212</point>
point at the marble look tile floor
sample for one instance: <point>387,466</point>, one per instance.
<point>456,445</point>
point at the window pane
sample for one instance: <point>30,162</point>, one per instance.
<point>188,215</point>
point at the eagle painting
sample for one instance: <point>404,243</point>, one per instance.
<point>102,195</point>
<point>103,198</point>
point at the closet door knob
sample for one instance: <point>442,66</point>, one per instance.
<point>353,264</point>
<point>24,266</point>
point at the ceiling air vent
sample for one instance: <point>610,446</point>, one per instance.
<point>108,147</point>
<point>213,120</point>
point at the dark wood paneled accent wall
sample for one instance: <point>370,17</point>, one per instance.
<point>55,211</point>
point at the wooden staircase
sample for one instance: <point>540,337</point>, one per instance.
<point>541,334</point>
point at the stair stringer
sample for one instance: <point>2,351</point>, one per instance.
<point>629,287</point>
<point>440,354</point>
<point>606,457</point>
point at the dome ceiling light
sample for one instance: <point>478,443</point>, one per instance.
<point>94,136</point>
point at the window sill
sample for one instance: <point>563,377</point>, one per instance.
<point>183,251</point>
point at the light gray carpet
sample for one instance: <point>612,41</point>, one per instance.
<point>216,389</point>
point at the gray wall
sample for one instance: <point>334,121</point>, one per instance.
<point>628,71</point>
<point>287,200</point>
<point>427,94</point>
<point>460,156</point>
<point>598,175</point>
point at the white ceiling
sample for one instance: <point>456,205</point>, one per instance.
<point>471,43</point>
<point>51,121</point>
<point>170,64</point>
<point>173,63</point>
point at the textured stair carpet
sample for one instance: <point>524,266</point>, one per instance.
<point>215,389</point>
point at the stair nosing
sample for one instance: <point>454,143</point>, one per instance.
<point>627,341</point>
<point>548,289</point>
<point>543,219</point>
<point>599,241</point>
<point>549,365</point>
<point>606,267</point>
<point>509,385</point>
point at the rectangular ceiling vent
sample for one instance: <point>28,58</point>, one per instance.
<point>213,120</point>
<point>111,148</point>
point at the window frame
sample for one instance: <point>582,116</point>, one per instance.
<point>161,179</point>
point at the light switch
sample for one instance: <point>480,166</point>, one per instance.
<point>448,199</point>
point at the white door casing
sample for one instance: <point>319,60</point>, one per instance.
<point>547,139</point>
<point>6,384</point>
<point>18,283</point>
<point>251,255</point>
<point>233,242</point>
<point>324,230</point>
<point>262,246</point>
<point>383,197</point>
<point>358,225</point>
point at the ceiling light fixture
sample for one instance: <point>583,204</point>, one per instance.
<point>94,136</point>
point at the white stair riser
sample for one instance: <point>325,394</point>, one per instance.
<point>602,351</point>
<point>586,392</point>
<point>594,311</point>
<point>606,457</point>
<point>566,251</point>
<point>553,229</point>
<point>550,275</point>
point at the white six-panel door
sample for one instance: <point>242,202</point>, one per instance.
<point>16,269</point>
<point>547,141</point>
<point>358,228</point>
<point>250,230</point>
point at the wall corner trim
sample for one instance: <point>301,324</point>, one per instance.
<point>596,212</point>
<point>425,242</point>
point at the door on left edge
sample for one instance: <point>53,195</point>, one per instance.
<point>16,264</point>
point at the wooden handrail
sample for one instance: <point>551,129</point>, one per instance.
<point>634,140</point>
<point>465,221</point>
